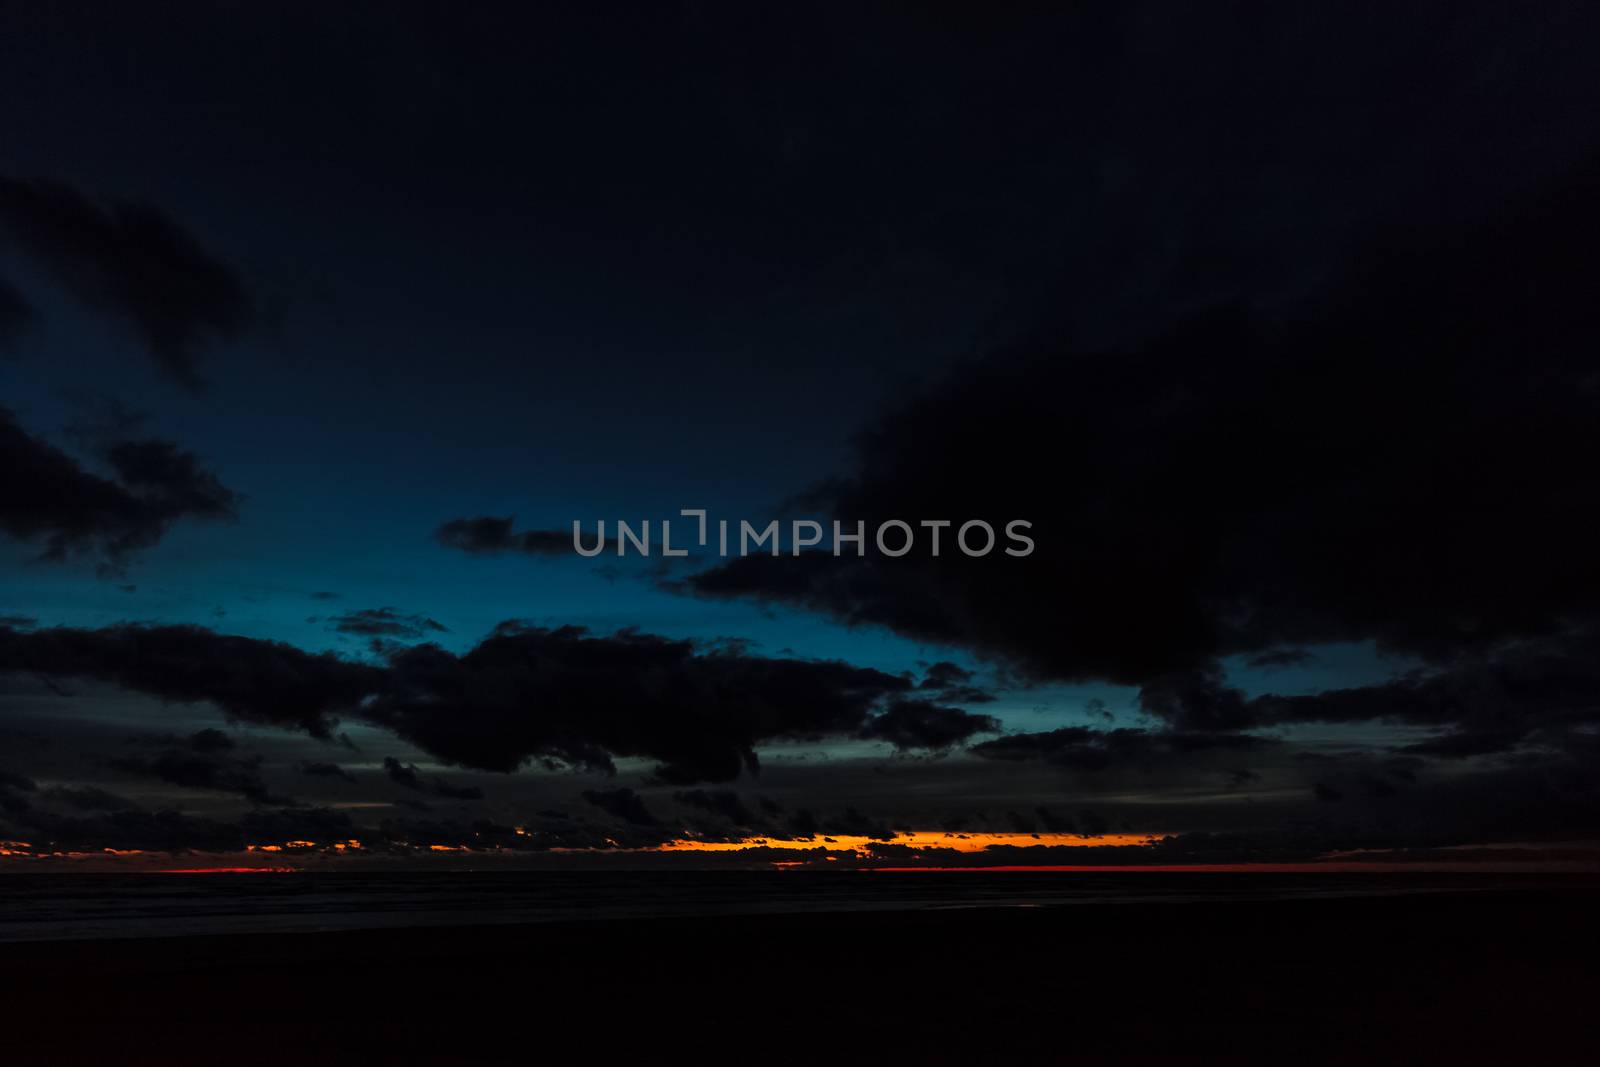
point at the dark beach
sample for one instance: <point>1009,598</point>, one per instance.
<point>1495,975</point>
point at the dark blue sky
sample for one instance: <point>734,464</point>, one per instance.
<point>561,266</point>
<point>503,277</point>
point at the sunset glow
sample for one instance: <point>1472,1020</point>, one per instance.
<point>914,839</point>
<point>227,870</point>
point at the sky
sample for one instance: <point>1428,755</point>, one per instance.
<point>319,329</point>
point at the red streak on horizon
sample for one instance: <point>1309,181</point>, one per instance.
<point>226,870</point>
<point>1469,867</point>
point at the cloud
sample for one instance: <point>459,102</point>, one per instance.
<point>1541,690</point>
<point>88,798</point>
<point>723,802</point>
<point>486,535</point>
<point>1283,657</point>
<point>1090,749</point>
<point>921,724</point>
<point>848,823</point>
<point>953,684</point>
<point>521,694</point>
<point>133,828</point>
<point>1462,743</point>
<point>384,622</point>
<point>1242,776</point>
<point>945,675</point>
<point>133,262</point>
<point>1400,460</point>
<point>210,740</point>
<point>17,782</point>
<point>624,803</point>
<point>407,775</point>
<point>47,496</point>
<point>320,769</point>
<point>200,767</point>
<point>562,694</point>
<point>13,786</point>
<point>16,314</point>
<point>265,682</point>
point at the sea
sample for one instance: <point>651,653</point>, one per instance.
<point>69,906</point>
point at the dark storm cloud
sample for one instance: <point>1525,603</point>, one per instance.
<point>944,675</point>
<point>1542,690</point>
<point>1539,692</point>
<point>965,694</point>
<point>1241,777</point>
<point>1462,743</point>
<point>485,535</point>
<point>88,798</point>
<point>384,622</point>
<point>1052,823</point>
<point>724,802</point>
<point>624,803</point>
<point>848,823</point>
<point>318,769</point>
<point>210,740</point>
<point>1197,700</point>
<point>1089,749</point>
<point>49,497</point>
<point>521,694</point>
<point>953,684</point>
<point>132,828</point>
<point>163,471</point>
<point>264,682</point>
<point>204,763</point>
<point>922,724</point>
<point>1403,460</point>
<point>13,786</point>
<point>292,824</point>
<point>407,775</point>
<point>562,694</point>
<point>131,261</point>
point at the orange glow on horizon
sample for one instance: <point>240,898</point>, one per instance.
<point>961,842</point>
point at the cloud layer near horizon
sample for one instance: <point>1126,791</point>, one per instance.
<point>521,694</point>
